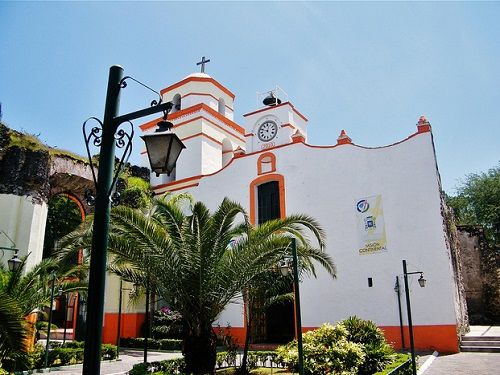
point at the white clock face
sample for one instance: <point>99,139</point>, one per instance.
<point>267,131</point>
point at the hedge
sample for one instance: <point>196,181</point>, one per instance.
<point>162,344</point>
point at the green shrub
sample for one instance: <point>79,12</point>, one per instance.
<point>167,367</point>
<point>326,350</point>
<point>163,344</point>
<point>72,353</point>
<point>377,353</point>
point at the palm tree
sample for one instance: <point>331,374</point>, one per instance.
<point>22,294</point>
<point>200,261</point>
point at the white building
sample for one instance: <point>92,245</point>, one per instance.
<point>378,206</point>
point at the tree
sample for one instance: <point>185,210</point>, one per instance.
<point>200,261</point>
<point>478,202</point>
<point>270,287</point>
<point>21,295</point>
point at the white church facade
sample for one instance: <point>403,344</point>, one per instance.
<point>378,206</point>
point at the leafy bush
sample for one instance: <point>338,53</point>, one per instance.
<point>167,367</point>
<point>326,351</point>
<point>72,353</point>
<point>354,346</point>
<point>377,353</point>
<point>163,344</point>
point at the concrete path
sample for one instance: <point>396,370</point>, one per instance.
<point>128,358</point>
<point>466,364</point>
<point>485,331</point>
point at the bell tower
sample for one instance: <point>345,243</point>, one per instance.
<point>275,124</point>
<point>202,115</point>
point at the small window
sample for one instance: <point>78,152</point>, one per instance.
<point>370,282</point>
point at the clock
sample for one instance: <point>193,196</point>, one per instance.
<point>267,131</point>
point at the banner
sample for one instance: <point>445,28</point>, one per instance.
<point>371,226</point>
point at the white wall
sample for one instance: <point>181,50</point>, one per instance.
<point>24,222</point>
<point>326,183</point>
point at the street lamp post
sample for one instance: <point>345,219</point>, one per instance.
<point>118,331</point>
<point>106,137</point>
<point>47,343</point>
<point>285,269</point>
<point>421,282</point>
<point>397,289</point>
<point>147,322</point>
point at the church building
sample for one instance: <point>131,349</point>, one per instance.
<point>378,207</point>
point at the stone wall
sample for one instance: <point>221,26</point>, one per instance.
<point>480,273</point>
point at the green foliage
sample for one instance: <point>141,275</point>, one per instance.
<point>354,346</point>
<point>12,329</point>
<point>167,324</point>
<point>400,366</point>
<point>377,352</point>
<point>477,202</point>
<point>63,217</point>
<point>161,344</point>
<point>72,353</point>
<point>167,367</point>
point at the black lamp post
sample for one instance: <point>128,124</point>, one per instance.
<point>421,282</point>
<point>106,137</point>
<point>397,289</point>
<point>285,269</point>
<point>47,343</point>
<point>118,331</point>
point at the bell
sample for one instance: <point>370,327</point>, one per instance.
<point>271,100</point>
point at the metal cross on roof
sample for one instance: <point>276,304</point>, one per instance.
<point>202,63</point>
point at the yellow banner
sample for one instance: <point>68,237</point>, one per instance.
<point>371,225</point>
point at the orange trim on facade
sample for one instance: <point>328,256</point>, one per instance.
<point>224,130</point>
<point>249,135</point>
<point>276,106</point>
<point>130,326</point>
<point>183,187</point>
<point>227,152</point>
<point>442,338</point>
<point>202,135</point>
<point>173,183</point>
<point>260,180</point>
<point>206,94</point>
<point>197,79</point>
<point>261,161</point>
<point>287,125</point>
<point>193,109</point>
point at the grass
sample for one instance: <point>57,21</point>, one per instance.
<point>400,359</point>
<point>31,142</point>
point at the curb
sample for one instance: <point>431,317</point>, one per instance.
<point>427,363</point>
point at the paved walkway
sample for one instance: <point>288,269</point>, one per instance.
<point>128,358</point>
<point>466,364</point>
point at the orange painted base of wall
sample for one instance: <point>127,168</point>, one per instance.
<point>442,338</point>
<point>237,333</point>
<point>130,326</point>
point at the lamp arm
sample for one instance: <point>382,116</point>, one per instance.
<point>10,239</point>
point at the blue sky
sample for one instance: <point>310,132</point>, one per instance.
<point>371,68</point>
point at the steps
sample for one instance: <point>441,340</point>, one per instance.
<point>486,344</point>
